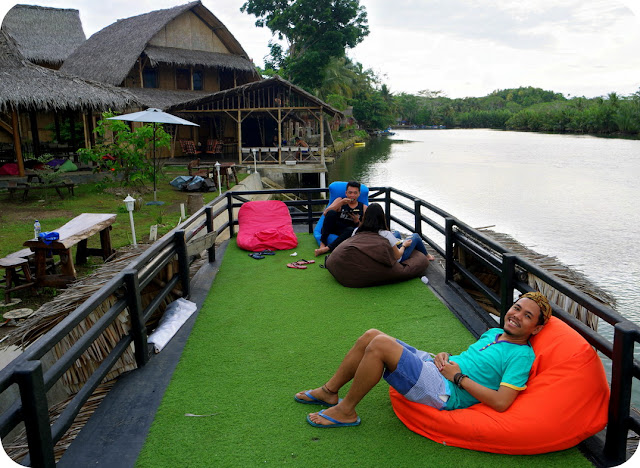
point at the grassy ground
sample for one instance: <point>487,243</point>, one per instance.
<point>17,218</point>
<point>266,332</point>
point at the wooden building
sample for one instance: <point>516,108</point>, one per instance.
<point>166,57</point>
<point>265,117</point>
<point>43,36</point>
<point>29,92</point>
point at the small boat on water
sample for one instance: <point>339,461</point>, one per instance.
<point>385,132</point>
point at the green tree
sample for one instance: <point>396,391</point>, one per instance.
<point>373,112</point>
<point>123,151</point>
<point>315,32</point>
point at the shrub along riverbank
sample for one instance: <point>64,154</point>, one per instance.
<point>526,109</point>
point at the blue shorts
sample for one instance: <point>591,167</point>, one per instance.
<point>418,378</point>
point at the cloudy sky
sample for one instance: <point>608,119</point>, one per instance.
<point>461,47</point>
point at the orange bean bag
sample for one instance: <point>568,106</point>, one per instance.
<point>565,402</point>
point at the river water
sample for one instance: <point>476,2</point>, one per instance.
<point>572,197</point>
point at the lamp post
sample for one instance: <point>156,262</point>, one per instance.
<point>218,171</point>
<point>255,164</point>
<point>129,202</point>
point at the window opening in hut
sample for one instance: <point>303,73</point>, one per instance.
<point>183,78</point>
<point>149,78</point>
<point>198,82</point>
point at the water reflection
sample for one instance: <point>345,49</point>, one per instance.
<point>364,162</point>
<point>569,196</point>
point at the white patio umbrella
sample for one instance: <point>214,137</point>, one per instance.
<point>154,116</point>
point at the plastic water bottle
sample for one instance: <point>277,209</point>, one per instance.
<point>36,229</point>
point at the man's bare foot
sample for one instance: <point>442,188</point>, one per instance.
<point>336,413</point>
<point>321,250</point>
<point>320,394</point>
<point>430,257</point>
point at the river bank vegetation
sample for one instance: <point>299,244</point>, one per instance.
<point>528,109</point>
<point>311,38</point>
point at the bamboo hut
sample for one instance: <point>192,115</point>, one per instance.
<point>27,89</point>
<point>165,57</point>
<point>45,36</point>
<point>261,112</point>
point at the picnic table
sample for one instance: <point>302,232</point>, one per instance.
<point>75,232</point>
<point>26,187</point>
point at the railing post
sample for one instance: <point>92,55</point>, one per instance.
<point>138,329</point>
<point>36,414</point>
<point>208,211</point>
<point>621,379</point>
<point>183,262</point>
<point>506,284</point>
<point>230,214</point>
<point>310,212</point>
<point>448,257</point>
<point>417,216</point>
<point>387,205</point>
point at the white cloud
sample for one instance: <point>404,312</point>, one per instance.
<point>463,47</point>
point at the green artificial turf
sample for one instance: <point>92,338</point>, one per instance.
<point>266,332</point>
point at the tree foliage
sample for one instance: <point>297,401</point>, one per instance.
<point>526,108</point>
<point>123,151</point>
<point>316,31</point>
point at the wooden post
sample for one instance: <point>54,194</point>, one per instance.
<point>279,136</point>
<point>323,182</point>
<point>16,142</point>
<point>35,136</point>
<point>239,139</point>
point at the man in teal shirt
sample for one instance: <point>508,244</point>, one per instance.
<point>493,370</point>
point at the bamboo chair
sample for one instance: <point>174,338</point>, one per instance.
<point>214,146</point>
<point>189,148</point>
<point>195,170</point>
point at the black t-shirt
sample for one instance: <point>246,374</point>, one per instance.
<point>346,210</point>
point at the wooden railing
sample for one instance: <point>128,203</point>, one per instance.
<point>438,229</point>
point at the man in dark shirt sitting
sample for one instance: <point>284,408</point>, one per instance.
<point>341,218</point>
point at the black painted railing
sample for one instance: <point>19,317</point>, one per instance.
<point>441,231</point>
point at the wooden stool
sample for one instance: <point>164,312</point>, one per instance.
<point>12,278</point>
<point>228,171</point>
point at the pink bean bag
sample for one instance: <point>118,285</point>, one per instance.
<point>265,224</point>
<point>565,402</point>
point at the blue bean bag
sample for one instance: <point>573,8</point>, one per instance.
<point>338,190</point>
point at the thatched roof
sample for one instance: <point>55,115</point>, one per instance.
<point>25,85</point>
<point>164,98</point>
<point>187,57</point>
<point>242,91</point>
<point>44,35</point>
<point>109,55</point>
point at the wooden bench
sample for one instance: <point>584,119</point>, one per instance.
<point>17,273</point>
<point>25,188</point>
<point>75,232</point>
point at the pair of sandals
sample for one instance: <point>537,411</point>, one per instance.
<point>300,264</point>
<point>260,255</point>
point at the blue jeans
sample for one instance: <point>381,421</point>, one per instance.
<point>416,243</point>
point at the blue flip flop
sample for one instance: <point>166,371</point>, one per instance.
<point>314,400</point>
<point>335,422</point>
